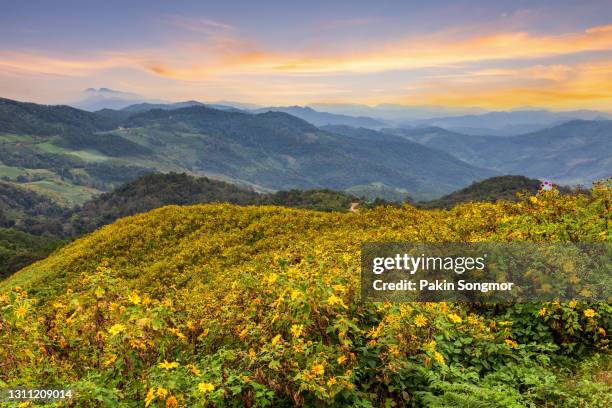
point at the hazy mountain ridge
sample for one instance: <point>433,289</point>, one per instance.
<point>575,152</point>
<point>318,118</point>
<point>508,123</point>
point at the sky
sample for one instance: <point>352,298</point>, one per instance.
<point>490,54</point>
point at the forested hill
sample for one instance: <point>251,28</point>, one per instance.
<point>31,225</point>
<point>78,153</point>
<point>26,212</point>
<point>491,190</point>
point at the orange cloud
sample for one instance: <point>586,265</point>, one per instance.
<point>226,53</point>
<point>586,85</point>
<point>443,50</point>
<point>225,58</point>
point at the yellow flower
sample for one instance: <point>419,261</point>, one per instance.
<point>171,402</point>
<point>271,278</point>
<point>243,333</point>
<point>21,311</point>
<point>602,331</point>
<point>431,345</point>
<point>331,381</point>
<point>420,320</point>
<point>572,304</point>
<point>206,387</point>
<point>134,298</point>
<point>150,397</point>
<point>439,357</point>
<point>168,365</point>
<point>542,312</point>
<point>318,369</point>
<point>296,330</point>
<point>276,340</point>
<point>339,288</point>
<point>335,300</point>
<point>341,359</point>
<point>177,333</point>
<point>110,360</point>
<point>162,393</point>
<point>454,318</point>
<point>116,329</point>
<point>589,313</point>
<point>194,370</point>
<point>511,343</point>
<point>99,292</point>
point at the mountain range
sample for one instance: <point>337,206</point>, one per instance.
<point>576,152</point>
<point>73,154</point>
<point>507,123</point>
<point>471,120</point>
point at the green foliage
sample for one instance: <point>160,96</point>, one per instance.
<point>221,305</point>
<point>491,190</point>
<point>45,120</point>
<point>18,249</point>
<point>320,200</point>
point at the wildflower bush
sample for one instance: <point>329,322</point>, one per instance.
<point>218,305</point>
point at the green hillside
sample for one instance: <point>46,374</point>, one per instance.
<point>222,305</point>
<point>71,155</point>
<point>157,190</point>
<point>492,189</point>
<point>26,211</point>
<point>19,249</point>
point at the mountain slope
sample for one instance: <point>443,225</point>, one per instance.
<point>38,225</point>
<point>259,306</point>
<point>509,123</point>
<point>267,151</point>
<point>46,120</point>
<point>576,152</point>
<point>324,118</point>
<point>278,151</point>
<point>19,249</point>
<point>143,107</point>
<point>490,190</point>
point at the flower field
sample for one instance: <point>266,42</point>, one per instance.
<point>220,305</point>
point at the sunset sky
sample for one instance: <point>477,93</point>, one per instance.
<point>490,54</point>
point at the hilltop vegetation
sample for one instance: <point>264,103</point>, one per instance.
<point>157,190</point>
<point>221,305</point>
<point>493,189</point>
<point>26,213</point>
